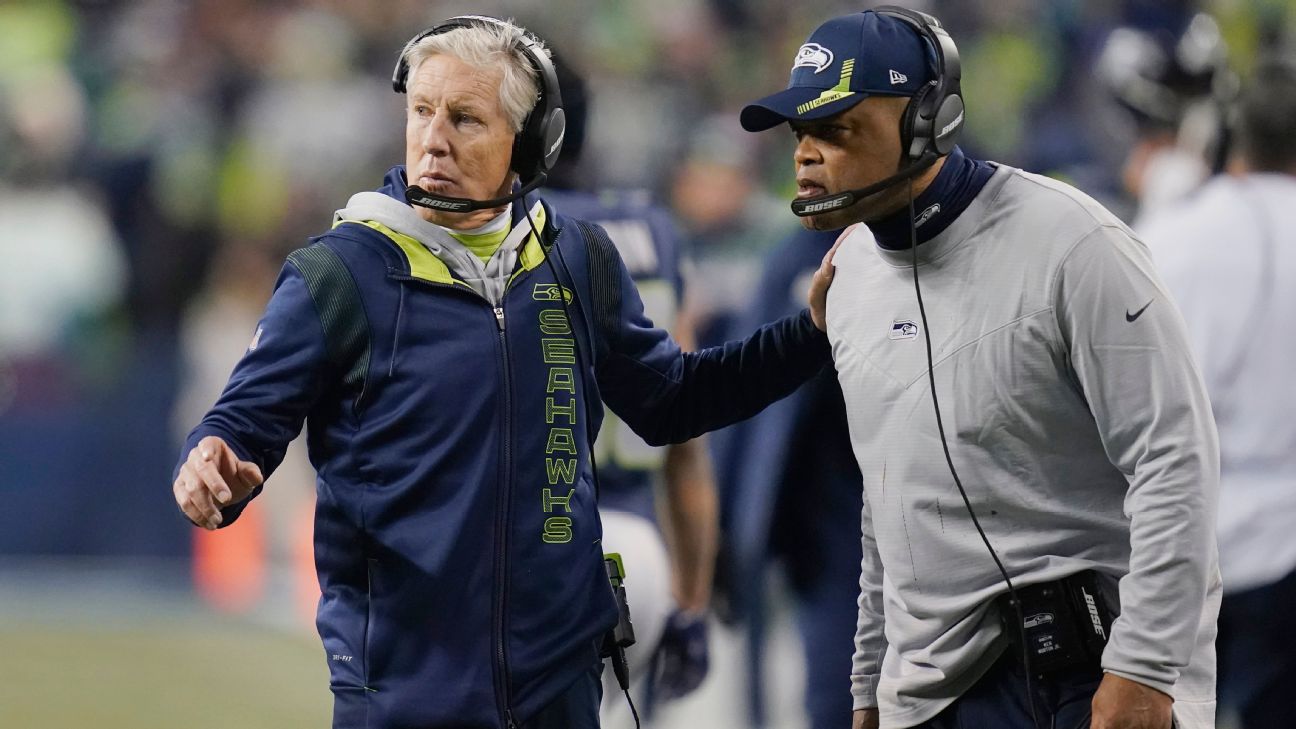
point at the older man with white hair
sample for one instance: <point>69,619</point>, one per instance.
<point>449,342</point>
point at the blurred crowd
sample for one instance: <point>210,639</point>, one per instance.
<point>159,158</point>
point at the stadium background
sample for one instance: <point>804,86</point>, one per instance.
<point>157,160</point>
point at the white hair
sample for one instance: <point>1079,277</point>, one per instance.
<point>489,46</point>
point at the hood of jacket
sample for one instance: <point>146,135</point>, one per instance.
<point>388,208</point>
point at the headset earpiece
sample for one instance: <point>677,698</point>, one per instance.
<point>536,148</point>
<point>555,130</point>
<point>913,129</point>
<point>933,119</point>
<point>947,124</point>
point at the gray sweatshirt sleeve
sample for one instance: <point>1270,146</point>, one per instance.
<point>1128,348</point>
<point>870,638</point>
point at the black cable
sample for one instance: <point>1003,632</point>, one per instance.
<point>633,712</point>
<point>940,427</point>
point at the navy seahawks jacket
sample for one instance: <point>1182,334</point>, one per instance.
<point>457,538</point>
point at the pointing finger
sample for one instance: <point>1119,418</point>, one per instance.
<point>211,478</point>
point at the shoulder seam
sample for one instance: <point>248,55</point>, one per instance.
<point>1023,175</point>
<point>1066,256</point>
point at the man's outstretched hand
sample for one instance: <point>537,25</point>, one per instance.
<point>213,477</point>
<point>823,278</point>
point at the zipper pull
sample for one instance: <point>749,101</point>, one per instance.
<point>508,713</point>
<point>499,317</point>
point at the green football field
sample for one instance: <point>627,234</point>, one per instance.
<point>176,674</point>
<point>102,648</point>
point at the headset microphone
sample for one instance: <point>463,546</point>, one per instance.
<point>416,195</point>
<point>838,200</point>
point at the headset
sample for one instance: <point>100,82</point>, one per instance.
<point>535,148</point>
<point>932,121</point>
<point>934,117</point>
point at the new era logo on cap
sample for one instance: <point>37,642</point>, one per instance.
<point>898,78</point>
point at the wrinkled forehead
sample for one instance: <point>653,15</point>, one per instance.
<point>443,75</point>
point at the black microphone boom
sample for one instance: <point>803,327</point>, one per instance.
<point>416,195</point>
<point>839,200</point>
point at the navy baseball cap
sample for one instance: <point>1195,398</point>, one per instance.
<point>845,61</point>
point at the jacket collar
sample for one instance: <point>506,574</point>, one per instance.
<point>420,263</point>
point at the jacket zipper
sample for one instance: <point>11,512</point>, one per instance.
<point>505,503</point>
<point>501,528</point>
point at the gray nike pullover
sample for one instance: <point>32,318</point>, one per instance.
<point>1079,426</point>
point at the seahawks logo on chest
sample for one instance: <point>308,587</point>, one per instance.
<point>903,329</point>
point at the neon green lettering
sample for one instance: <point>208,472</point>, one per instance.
<point>560,468</point>
<point>554,321</point>
<point>550,501</point>
<point>561,378</point>
<point>557,530</point>
<point>554,410</point>
<point>558,351</point>
<point>561,439</point>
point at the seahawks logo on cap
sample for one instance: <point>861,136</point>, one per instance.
<point>813,55</point>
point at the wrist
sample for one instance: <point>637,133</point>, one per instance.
<point>865,719</point>
<point>1132,683</point>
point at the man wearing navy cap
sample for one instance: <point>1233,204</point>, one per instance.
<point>1036,403</point>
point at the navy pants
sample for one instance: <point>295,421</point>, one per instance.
<point>826,613</point>
<point>999,700</point>
<point>577,708</point>
<point>1257,654</point>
